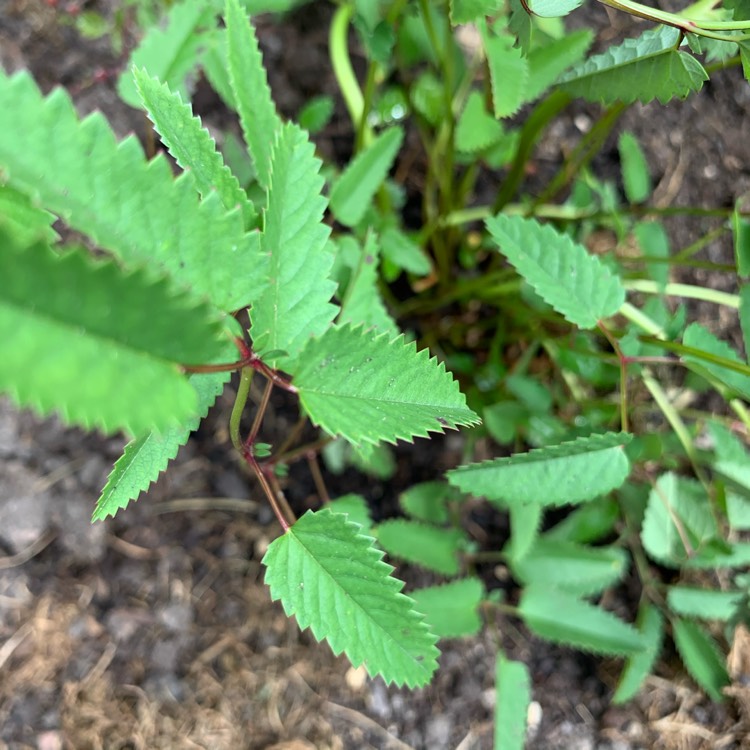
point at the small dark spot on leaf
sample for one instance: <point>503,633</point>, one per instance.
<point>369,259</point>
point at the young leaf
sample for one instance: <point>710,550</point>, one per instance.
<point>635,175</point>
<point>191,145</point>
<point>477,130</point>
<point>571,567</point>
<point>700,654</point>
<point>98,345</point>
<point>355,507</point>
<point>562,618</point>
<point>678,520</point>
<point>641,69</point>
<point>513,695</point>
<point>698,337</point>
<point>650,623</point>
<point>705,604</point>
<point>146,457</point>
<point>451,609</point>
<point>252,95</point>
<point>548,61</point>
<point>567,473</point>
<point>296,302</point>
<point>423,544</point>
<point>316,113</point>
<point>353,191</point>
<point>509,71</point>
<point>331,578</point>
<point>578,285</point>
<point>169,53</point>
<point>365,387</point>
<point>427,501</point>
<point>100,188</point>
<point>399,249</point>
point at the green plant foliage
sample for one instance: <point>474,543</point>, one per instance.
<point>562,618</point>
<point>745,314</point>
<point>525,522</point>
<point>429,546</point>
<point>331,578</point>
<point>403,252</point>
<point>427,501</point>
<point>548,61</point>
<point>699,338</point>
<point>635,175</point>
<point>316,114</point>
<point>98,187</point>
<point>146,457</point>
<point>741,230</point>
<point>296,304</point>
<point>641,69</point>
<point>704,604</point>
<point>509,72</point>
<point>678,520</point>
<point>700,654</point>
<point>252,95</point>
<point>552,8</point>
<point>738,511</point>
<point>90,342</point>
<point>639,665</point>
<point>572,567</point>
<point>172,52</point>
<point>191,145</point>
<point>587,523</point>
<point>21,219</point>
<point>451,609</point>
<point>353,191</point>
<point>571,472</point>
<point>578,285</point>
<point>356,509</point>
<point>368,387</point>
<point>477,130</point>
<point>467,11</point>
<point>513,695</point>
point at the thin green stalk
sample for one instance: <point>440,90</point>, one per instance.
<point>643,321</point>
<point>614,343</point>
<point>240,401</point>
<point>683,290</point>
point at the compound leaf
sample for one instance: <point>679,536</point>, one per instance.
<point>296,302</point>
<point>146,457</point>
<point>191,145</point>
<point>258,117</point>
<point>126,204</point>
<point>426,545</point>
<point>451,610</point>
<point>650,623</point>
<point>169,53</point>
<point>642,69</point>
<point>353,191</point>
<point>571,472</point>
<point>562,618</point>
<point>701,656</point>
<point>577,284</point>
<point>97,344</point>
<point>513,695</point>
<point>334,581</point>
<point>369,388</point>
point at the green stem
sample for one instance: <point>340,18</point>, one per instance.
<point>683,290</point>
<point>622,359</point>
<point>240,401</point>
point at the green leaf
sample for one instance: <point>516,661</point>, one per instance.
<point>678,520</point>
<point>399,249</point>
<point>562,618</point>
<point>738,512</point>
<point>125,204</point>
<point>745,315</point>
<point>477,130</point>
<point>651,626</point>
<point>331,578</point>
<point>525,522</point>
<point>571,472</point>
<point>698,337</point>
<point>362,302</point>
<point>468,11</point>
<point>191,145</point>
<point>353,191</point>
<point>146,457</point>
<point>654,242</point>
<point>737,556</point>
<point>641,69</point>
<point>552,8</point>
<point>509,72</point>
<point>427,501</point>
<point>578,285</point>
<point>741,231</point>
<point>431,547</point>
<point>571,567</point>
<point>365,387</point>
<point>635,175</point>
<point>587,523</point>
<point>513,695</point>
<point>451,609</point>
<point>705,604</point>
<point>252,95</point>
<point>316,113</point>
<point>169,53</point>
<point>20,218</point>
<point>700,654</point>
<point>355,507</point>
<point>296,302</point>
<point>548,61</point>
<point>97,344</point>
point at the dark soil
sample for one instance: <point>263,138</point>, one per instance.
<point>154,630</point>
